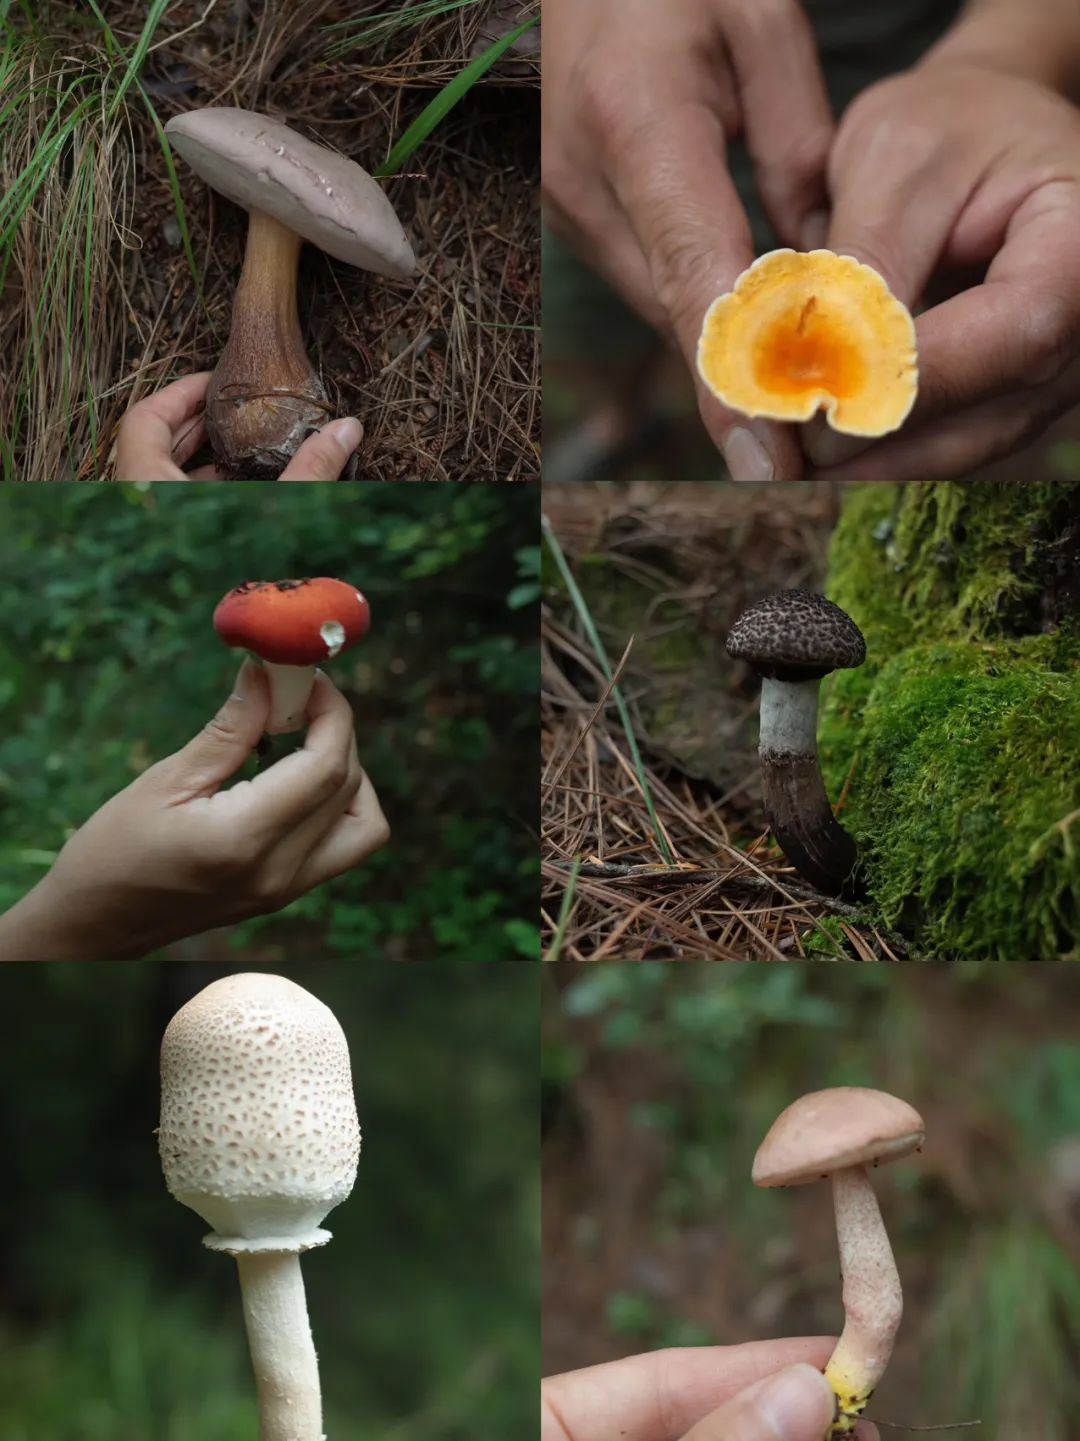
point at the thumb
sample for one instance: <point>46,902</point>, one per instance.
<point>224,743</point>
<point>794,1405</point>
<point>324,455</point>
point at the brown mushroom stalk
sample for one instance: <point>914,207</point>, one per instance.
<point>265,396</point>
<point>838,1134</point>
<point>793,639</point>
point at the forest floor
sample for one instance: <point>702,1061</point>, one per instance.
<point>101,305</point>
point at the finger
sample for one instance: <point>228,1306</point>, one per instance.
<point>206,472</point>
<point>797,1404</point>
<point>359,833</point>
<point>224,743</point>
<point>190,437</point>
<point>324,455</point>
<point>298,785</point>
<point>774,57</point>
<point>659,1396</point>
<point>690,223</point>
<point>144,443</point>
<point>309,833</point>
<point>596,229</point>
<point>955,446</point>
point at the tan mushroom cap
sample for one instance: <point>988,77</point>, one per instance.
<point>829,1131</point>
<point>323,196</point>
<point>258,1130</point>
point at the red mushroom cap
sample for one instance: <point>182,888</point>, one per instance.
<point>293,622</point>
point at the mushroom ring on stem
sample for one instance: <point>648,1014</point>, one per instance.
<point>838,1134</point>
<point>292,626</point>
<point>793,639</point>
<point>259,1136</point>
<point>265,396</point>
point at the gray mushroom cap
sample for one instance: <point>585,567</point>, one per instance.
<point>796,635</point>
<point>321,195</point>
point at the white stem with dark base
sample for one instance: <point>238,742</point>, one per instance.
<point>282,1350</point>
<point>873,1300</point>
<point>796,803</point>
<point>290,688</point>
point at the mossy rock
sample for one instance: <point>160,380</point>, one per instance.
<point>957,745</point>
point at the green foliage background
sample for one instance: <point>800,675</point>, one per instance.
<point>678,1071</point>
<point>115,1323</point>
<point>108,661</point>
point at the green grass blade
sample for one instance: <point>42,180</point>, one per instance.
<point>554,951</point>
<point>585,616</point>
<point>449,96</point>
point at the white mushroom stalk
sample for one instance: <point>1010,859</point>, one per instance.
<point>873,1299</point>
<point>259,1136</point>
<point>290,689</point>
<point>837,1134</point>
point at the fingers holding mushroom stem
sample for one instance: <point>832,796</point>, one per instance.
<point>282,1350</point>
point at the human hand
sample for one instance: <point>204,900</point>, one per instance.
<point>639,102</point>
<point>160,433</point>
<point>173,854</point>
<point>956,164</point>
<point>763,1391</point>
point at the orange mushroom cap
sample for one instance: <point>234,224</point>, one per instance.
<point>806,332</point>
<point>293,622</point>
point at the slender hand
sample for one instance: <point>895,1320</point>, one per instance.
<point>162,432</point>
<point>174,854</point>
<point>763,1391</point>
<point>639,102</point>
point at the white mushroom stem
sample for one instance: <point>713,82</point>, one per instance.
<point>796,802</point>
<point>282,1351</point>
<point>290,688</point>
<point>789,710</point>
<point>873,1301</point>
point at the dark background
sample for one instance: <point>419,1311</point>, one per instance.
<point>117,1325</point>
<point>109,661</point>
<point>660,1082</point>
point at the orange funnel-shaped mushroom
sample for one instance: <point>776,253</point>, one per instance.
<point>801,333</point>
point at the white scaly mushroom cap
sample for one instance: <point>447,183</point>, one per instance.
<point>258,1130</point>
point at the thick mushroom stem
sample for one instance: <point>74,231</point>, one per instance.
<point>796,803</point>
<point>290,687</point>
<point>265,397</point>
<point>873,1301</point>
<point>282,1350</point>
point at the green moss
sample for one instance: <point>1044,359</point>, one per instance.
<point>956,746</point>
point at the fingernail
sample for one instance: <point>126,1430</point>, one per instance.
<point>787,1400</point>
<point>746,458</point>
<point>815,230</point>
<point>348,432</point>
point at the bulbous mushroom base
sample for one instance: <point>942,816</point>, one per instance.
<point>801,818</point>
<point>256,432</point>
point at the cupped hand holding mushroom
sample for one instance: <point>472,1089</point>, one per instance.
<point>838,1134</point>
<point>265,397</point>
<point>259,1136</point>
<point>176,853</point>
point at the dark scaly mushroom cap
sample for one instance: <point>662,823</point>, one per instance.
<point>796,635</point>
